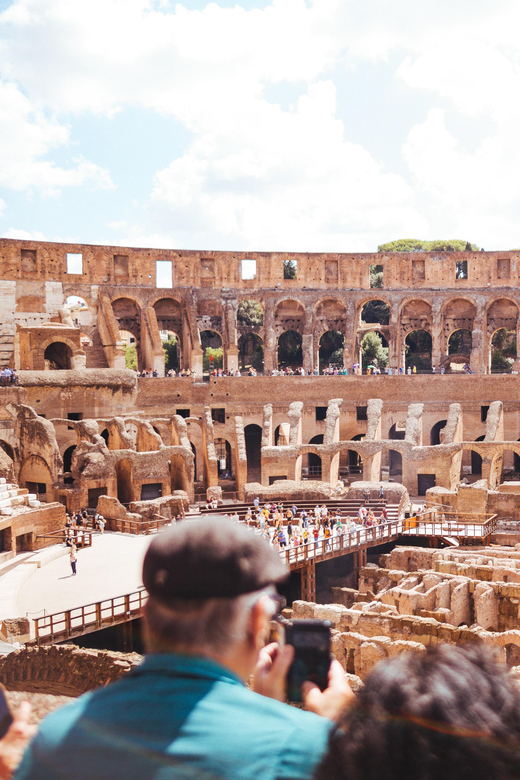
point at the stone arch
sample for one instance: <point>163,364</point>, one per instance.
<point>503,350</point>
<point>35,475</point>
<point>435,432</point>
<point>224,456</point>
<point>127,312</point>
<point>67,458</point>
<point>80,310</point>
<point>168,312</point>
<point>418,350</point>
<point>124,477</point>
<point>211,340</point>
<point>7,448</point>
<point>312,461</point>
<point>289,349</point>
<point>460,343</point>
<point>289,315</point>
<point>58,356</point>
<point>415,314</point>
<point>458,314</point>
<point>330,314</point>
<point>251,351</point>
<point>330,348</point>
<point>374,311</point>
<point>365,354</point>
<point>355,460</point>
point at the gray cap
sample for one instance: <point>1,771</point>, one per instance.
<point>209,558</point>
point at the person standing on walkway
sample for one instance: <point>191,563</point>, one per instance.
<point>73,560</point>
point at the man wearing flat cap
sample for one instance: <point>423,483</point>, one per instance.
<point>185,712</point>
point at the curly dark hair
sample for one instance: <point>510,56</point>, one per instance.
<point>450,713</point>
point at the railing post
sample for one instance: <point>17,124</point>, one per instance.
<point>308,576</point>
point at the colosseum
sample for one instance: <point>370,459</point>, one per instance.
<point>439,425</point>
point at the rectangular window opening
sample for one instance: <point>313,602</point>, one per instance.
<point>163,274</point>
<point>74,416</point>
<point>248,268</point>
<point>376,276</point>
<point>483,413</point>
<point>183,413</point>
<point>321,413</point>
<point>120,267</point>
<point>461,269</point>
<point>361,413</point>
<point>28,258</point>
<point>290,269</point>
<point>503,268</point>
<point>74,263</point>
<point>218,415</point>
<point>418,270</point>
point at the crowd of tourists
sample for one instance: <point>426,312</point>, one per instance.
<point>8,377</point>
<point>330,370</point>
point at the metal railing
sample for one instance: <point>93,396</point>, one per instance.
<point>80,537</point>
<point>442,522</point>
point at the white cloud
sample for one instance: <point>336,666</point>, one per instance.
<point>25,235</point>
<point>27,136</point>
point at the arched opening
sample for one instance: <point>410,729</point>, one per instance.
<point>503,350</point>
<point>172,352</point>
<point>374,351</point>
<point>435,433</point>
<point>290,353</point>
<point>124,480</point>
<point>128,315</point>
<point>223,450</point>
<point>35,475</point>
<point>251,352</point>
<point>249,314</point>
<point>355,461</point>
<point>476,459</point>
<point>79,310</point>
<point>67,458</point>
<point>104,435</point>
<point>331,347</point>
<point>7,449</point>
<point>418,350</point>
<point>58,356</point>
<point>395,464</point>
<point>375,312</point>
<point>212,350</point>
<point>253,436</point>
<point>460,342</point>
<point>313,465</point>
<point>281,435</point>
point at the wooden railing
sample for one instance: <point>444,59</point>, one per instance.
<point>140,527</point>
<point>92,617</point>
<point>80,537</point>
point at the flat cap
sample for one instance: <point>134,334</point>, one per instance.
<point>210,557</point>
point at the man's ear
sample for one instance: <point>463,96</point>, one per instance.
<point>259,623</point>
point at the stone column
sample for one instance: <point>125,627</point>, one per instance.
<point>436,334</point>
<point>350,335</point>
<point>270,358</point>
<point>479,358</point>
<point>308,340</point>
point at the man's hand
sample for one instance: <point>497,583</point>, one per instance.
<point>13,744</point>
<point>333,700</point>
<point>271,671</point>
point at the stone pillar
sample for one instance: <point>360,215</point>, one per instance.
<point>350,335</point>
<point>232,357</point>
<point>308,340</point>
<point>393,361</point>
<point>270,357</point>
<point>479,359</point>
<point>196,361</point>
<point>436,334</point>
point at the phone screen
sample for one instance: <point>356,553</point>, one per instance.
<point>311,642</point>
<point>6,717</point>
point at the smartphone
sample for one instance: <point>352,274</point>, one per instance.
<point>6,716</point>
<point>312,656</point>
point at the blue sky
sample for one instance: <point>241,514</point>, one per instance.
<point>303,125</point>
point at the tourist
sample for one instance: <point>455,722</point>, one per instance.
<point>449,713</point>
<point>381,493</point>
<point>186,711</point>
<point>73,560</point>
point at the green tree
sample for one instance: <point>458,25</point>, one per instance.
<point>131,357</point>
<point>331,348</point>
<point>416,245</point>
<point>503,350</point>
<point>171,353</point>
<point>290,349</point>
<point>250,313</point>
<point>376,276</point>
<point>373,352</point>
<point>290,269</point>
<point>376,311</point>
<point>217,353</point>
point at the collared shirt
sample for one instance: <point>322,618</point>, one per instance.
<point>176,717</point>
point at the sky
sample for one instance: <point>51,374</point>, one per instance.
<point>290,125</point>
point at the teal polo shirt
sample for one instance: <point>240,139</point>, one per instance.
<point>176,716</point>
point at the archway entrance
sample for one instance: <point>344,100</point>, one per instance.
<point>313,460</point>
<point>418,350</point>
<point>251,352</point>
<point>290,353</point>
<point>223,450</point>
<point>58,356</point>
<point>212,350</point>
<point>124,480</point>
<point>435,433</point>
<point>331,347</point>
<point>128,316</point>
<point>476,459</point>
<point>374,351</point>
<point>503,350</point>
<point>355,461</point>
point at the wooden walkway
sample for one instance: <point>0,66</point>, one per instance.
<point>78,621</point>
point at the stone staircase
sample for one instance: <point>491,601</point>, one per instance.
<point>12,496</point>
